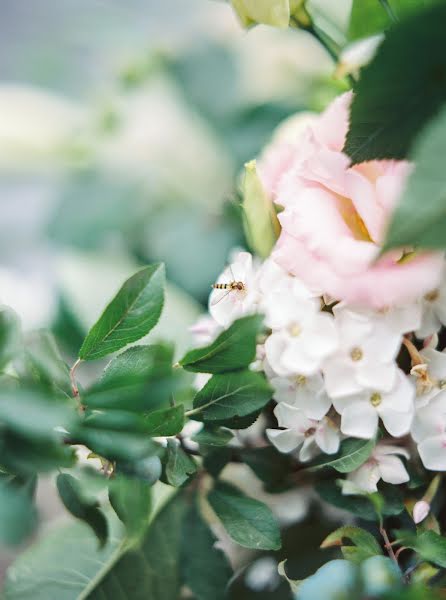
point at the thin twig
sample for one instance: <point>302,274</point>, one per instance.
<point>388,545</point>
<point>74,387</point>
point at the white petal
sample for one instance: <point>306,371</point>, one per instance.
<point>433,453</point>
<point>322,338</point>
<point>296,359</point>
<point>436,363</point>
<point>292,418</point>
<point>327,437</point>
<point>284,440</point>
<point>359,420</point>
<point>309,449</point>
<point>366,477</point>
<point>396,423</point>
<point>317,406</point>
<point>375,375</point>
<point>401,397</point>
<point>430,323</point>
<point>392,470</point>
<point>274,348</point>
<point>340,378</point>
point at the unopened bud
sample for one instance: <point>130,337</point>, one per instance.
<point>420,511</point>
<point>267,12</point>
<point>357,55</point>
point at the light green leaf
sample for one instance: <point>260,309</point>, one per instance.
<point>429,545</point>
<point>234,349</point>
<point>166,421</point>
<point>10,335</point>
<point>82,507</point>
<point>268,12</point>
<point>364,544</point>
<point>352,454</point>
<point>262,227</point>
<point>206,570</point>
<point>18,516</point>
<point>45,362</point>
<point>420,218</point>
<point>179,466</point>
<point>213,436</point>
<point>132,313</point>
<point>115,445</point>
<point>248,522</point>
<point>132,501</point>
<point>401,89</point>
<point>231,395</point>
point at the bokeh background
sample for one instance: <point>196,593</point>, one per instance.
<point>123,128</point>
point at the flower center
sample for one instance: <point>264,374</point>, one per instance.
<point>432,296</point>
<point>301,380</point>
<point>310,432</point>
<point>442,384</point>
<point>356,354</point>
<point>295,330</point>
<point>375,399</point>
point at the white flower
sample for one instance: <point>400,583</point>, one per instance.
<point>225,306</point>
<point>313,436</point>
<point>302,336</point>
<point>429,431</point>
<point>396,319</point>
<point>365,358</point>
<point>430,376</point>
<point>361,411</point>
<point>205,330</point>
<point>357,54</point>
<point>306,393</point>
<point>433,311</point>
<point>384,464</point>
<point>420,511</point>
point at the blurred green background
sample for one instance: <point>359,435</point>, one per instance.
<point>123,128</point>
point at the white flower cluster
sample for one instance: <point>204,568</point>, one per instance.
<point>334,369</point>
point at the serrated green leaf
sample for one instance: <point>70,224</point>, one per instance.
<point>248,522</point>
<point>401,89</point>
<point>230,395</point>
<point>234,349</point>
<point>132,313</point>
<point>10,335</point>
<point>205,568</point>
<point>81,507</point>
<point>420,218</point>
<point>352,454</point>
<point>179,466</point>
<point>131,500</point>
<point>166,421</point>
<point>365,545</point>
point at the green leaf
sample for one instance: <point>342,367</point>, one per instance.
<point>248,522</point>
<point>205,568</point>
<point>165,422</point>
<point>364,544</point>
<point>401,89</point>
<point>82,507</point>
<point>131,500</point>
<point>45,362</point>
<point>148,469</point>
<point>63,564</point>
<point>270,466</point>
<point>213,436</point>
<point>132,313</point>
<point>137,364</point>
<point>230,395</point>
<point>352,454</point>
<point>19,454</point>
<point>234,349</point>
<point>18,516</point>
<point>369,17</point>
<point>420,218</point>
<point>429,545</point>
<point>268,12</point>
<point>179,466</point>
<point>10,335</point>
<point>115,445</point>
<point>262,228</point>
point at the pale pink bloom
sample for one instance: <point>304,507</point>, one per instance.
<point>310,435</point>
<point>433,310</point>
<point>429,431</point>
<point>384,463</point>
<point>336,216</point>
<point>205,330</point>
<point>420,511</point>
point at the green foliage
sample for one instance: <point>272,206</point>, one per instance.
<point>429,545</point>
<point>81,506</point>
<point>364,544</point>
<point>228,396</point>
<point>166,421</point>
<point>44,362</point>
<point>205,568</point>
<point>18,516</point>
<point>233,349</point>
<point>420,218</point>
<point>132,313</point>
<point>248,522</point>
<point>132,501</point>
<point>213,436</point>
<point>10,336</point>
<point>270,466</point>
<point>401,89</point>
<point>352,454</point>
<point>179,466</point>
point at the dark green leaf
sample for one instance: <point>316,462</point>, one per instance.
<point>82,507</point>
<point>429,545</point>
<point>21,455</point>
<point>213,436</point>
<point>165,422</point>
<point>364,544</point>
<point>45,362</point>
<point>420,218</point>
<point>216,460</point>
<point>10,335</point>
<point>179,465</point>
<point>352,454</point>
<point>148,469</point>
<point>18,516</point>
<point>137,364</point>
<point>401,89</point>
<point>205,568</point>
<point>270,466</point>
<point>132,313</point>
<point>230,395</point>
<point>115,445</point>
<point>234,349</point>
<point>248,522</point>
<point>132,501</point>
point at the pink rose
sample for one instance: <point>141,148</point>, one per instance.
<point>335,216</point>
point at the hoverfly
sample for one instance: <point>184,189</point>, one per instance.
<point>230,286</point>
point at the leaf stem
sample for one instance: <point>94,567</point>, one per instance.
<point>74,386</point>
<point>388,545</point>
